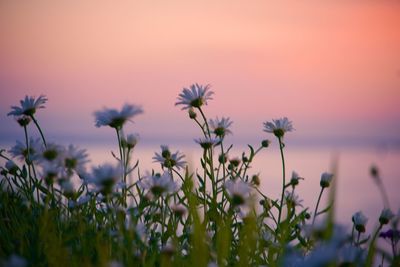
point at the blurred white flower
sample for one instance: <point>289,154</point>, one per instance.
<point>51,152</point>
<point>326,179</point>
<point>295,179</point>
<point>50,172</point>
<point>159,184</point>
<point>75,159</point>
<point>386,216</point>
<point>168,248</point>
<point>105,176</point>
<point>238,191</point>
<point>21,152</point>
<point>207,143</point>
<point>359,221</point>
<point>179,209</point>
<point>11,167</point>
<point>169,160</point>
<point>293,199</point>
<point>67,187</point>
<point>220,127</point>
<point>195,97</point>
<point>278,127</point>
<point>29,105</point>
<point>130,141</point>
<point>114,118</point>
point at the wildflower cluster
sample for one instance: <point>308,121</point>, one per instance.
<point>57,210</point>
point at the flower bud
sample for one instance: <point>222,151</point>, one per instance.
<point>326,179</point>
<point>255,179</point>
<point>192,114</point>
<point>386,216</point>
<point>265,143</point>
<point>359,221</point>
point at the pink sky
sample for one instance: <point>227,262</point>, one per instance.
<point>333,67</point>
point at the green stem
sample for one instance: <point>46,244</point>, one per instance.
<point>371,248</point>
<point>122,161</point>
<point>316,207</point>
<point>28,160</point>
<point>204,183</point>
<point>283,180</point>
<point>40,130</point>
<point>205,121</point>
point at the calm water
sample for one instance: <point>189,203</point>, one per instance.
<point>356,190</point>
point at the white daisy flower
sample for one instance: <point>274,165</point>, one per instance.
<point>159,184</point>
<point>386,216</point>
<point>360,221</point>
<point>67,187</point>
<point>293,199</point>
<point>104,177</point>
<point>326,179</point>
<point>50,171</point>
<point>75,159</point>
<point>238,191</point>
<point>28,107</point>
<point>278,127</point>
<point>169,160</point>
<point>207,142</point>
<point>195,97</point>
<point>295,179</point>
<point>21,152</point>
<point>51,152</point>
<point>220,127</point>
<point>179,209</point>
<point>114,118</point>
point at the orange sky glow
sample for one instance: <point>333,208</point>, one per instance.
<point>333,67</point>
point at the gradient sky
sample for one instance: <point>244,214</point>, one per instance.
<point>333,67</point>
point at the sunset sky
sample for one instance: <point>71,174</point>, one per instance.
<point>332,67</point>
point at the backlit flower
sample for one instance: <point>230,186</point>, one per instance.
<point>295,179</point>
<point>51,152</point>
<point>195,97</point>
<point>278,127</point>
<point>326,179</point>
<point>21,152</point>
<point>293,199</point>
<point>114,118</point>
<point>359,221</point>
<point>238,191</point>
<point>74,158</point>
<point>159,184</point>
<point>220,127</point>
<point>179,209</point>
<point>207,142</point>
<point>104,177</point>
<point>386,216</point>
<point>169,160</point>
<point>50,172</point>
<point>28,107</point>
